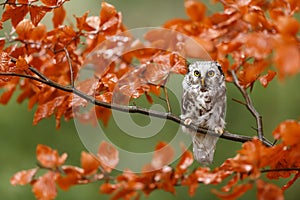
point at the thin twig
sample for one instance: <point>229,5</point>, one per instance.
<point>279,170</point>
<point>167,99</point>
<point>249,106</point>
<point>136,109</point>
<point>70,66</point>
<point>238,101</point>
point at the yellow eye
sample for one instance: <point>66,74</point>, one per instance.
<point>196,73</point>
<point>210,73</point>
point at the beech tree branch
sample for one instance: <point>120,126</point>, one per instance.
<point>250,106</point>
<point>132,109</point>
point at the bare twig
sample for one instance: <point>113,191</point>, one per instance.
<point>249,106</point>
<point>70,66</point>
<point>135,109</point>
<point>167,99</point>
<point>279,170</point>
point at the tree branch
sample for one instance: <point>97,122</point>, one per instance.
<point>134,109</point>
<point>250,106</point>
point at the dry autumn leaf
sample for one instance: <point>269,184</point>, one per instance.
<point>108,156</point>
<point>23,177</point>
<point>48,157</point>
<point>44,187</point>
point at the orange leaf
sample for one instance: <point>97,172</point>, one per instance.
<point>71,177</point>
<point>195,10</point>
<point>59,15</point>
<point>37,13</point>
<point>107,188</point>
<point>108,156</point>
<point>185,161</point>
<point>2,41</point>
<point>48,157</point>
<point>89,163</point>
<point>39,32</point>
<point>52,2</point>
<point>47,109</point>
<point>109,81</point>
<point>24,29</point>
<point>287,59</point>
<point>266,79</point>
<point>45,188</point>
<point>288,131</point>
<point>103,113</point>
<point>288,25</point>
<point>162,156</point>
<point>237,191</point>
<point>6,95</point>
<point>15,13</point>
<point>21,63</point>
<point>107,12</point>
<point>23,177</point>
<point>268,191</point>
<point>291,182</point>
<point>82,23</point>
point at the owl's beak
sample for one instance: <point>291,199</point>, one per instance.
<point>202,82</point>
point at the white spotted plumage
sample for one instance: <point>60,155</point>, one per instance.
<point>204,104</point>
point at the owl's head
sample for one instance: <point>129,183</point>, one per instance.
<point>204,75</point>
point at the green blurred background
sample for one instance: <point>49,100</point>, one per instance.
<point>19,138</point>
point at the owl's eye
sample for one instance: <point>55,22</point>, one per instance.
<point>196,73</point>
<point>210,73</point>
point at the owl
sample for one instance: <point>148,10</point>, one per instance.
<point>204,104</point>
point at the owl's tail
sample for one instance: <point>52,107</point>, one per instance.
<point>204,148</point>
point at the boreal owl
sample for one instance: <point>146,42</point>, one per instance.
<point>204,105</point>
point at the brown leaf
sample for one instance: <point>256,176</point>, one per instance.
<point>107,188</point>
<point>108,156</point>
<point>237,191</point>
<point>15,13</point>
<point>24,29</point>
<point>10,89</point>
<point>195,10</point>
<point>84,23</point>
<point>288,131</point>
<point>2,41</point>
<point>287,59</point>
<point>162,156</point>
<point>47,109</point>
<point>109,81</point>
<point>251,72</point>
<point>185,161</point>
<point>101,112</point>
<point>291,182</point>
<point>21,64</point>
<point>107,12</point>
<point>39,32</point>
<point>23,177</point>
<point>288,25</point>
<point>48,157</point>
<point>59,15</point>
<point>89,163</point>
<point>266,79</point>
<point>72,176</point>
<point>268,191</point>
<point>44,187</point>
<point>37,13</point>
<point>52,2</point>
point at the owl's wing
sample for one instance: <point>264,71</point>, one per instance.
<point>204,147</point>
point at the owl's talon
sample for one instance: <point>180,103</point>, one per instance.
<point>187,121</point>
<point>219,130</point>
